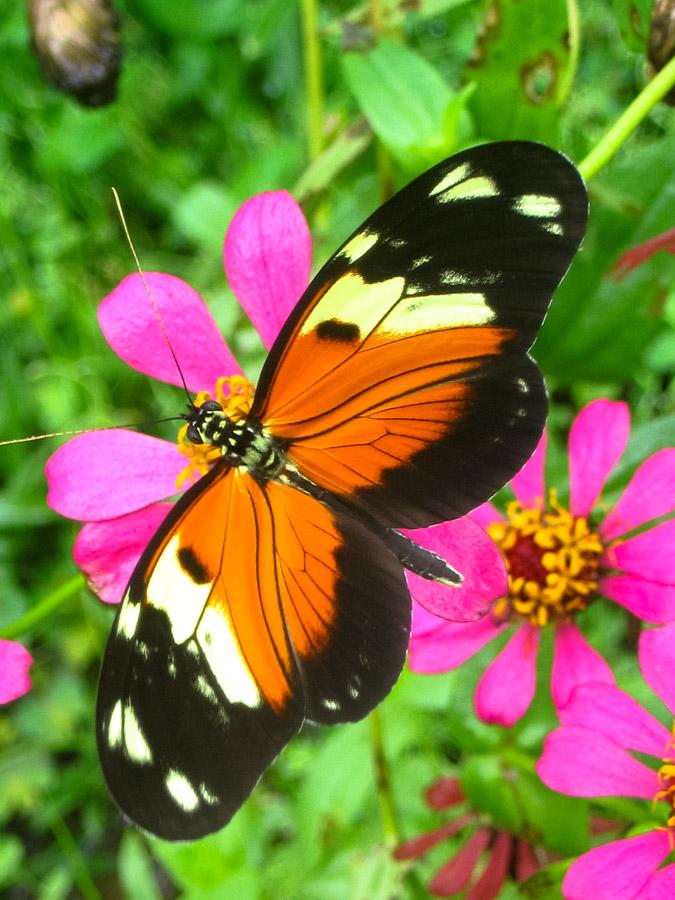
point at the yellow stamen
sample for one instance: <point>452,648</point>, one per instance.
<point>553,562</point>
<point>235,394</point>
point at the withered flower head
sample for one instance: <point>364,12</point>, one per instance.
<point>77,43</point>
<point>661,46</point>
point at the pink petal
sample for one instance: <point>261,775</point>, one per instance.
<point>418,846</point>
<point>455,874</point>
<point>449,645</point>
<point>574,662</point>
<point>507,686</point>
<point>490,882</point>
<point>657,652</point>
<point>597,440</point>
<point>106,474</point>
<point>129,323</point>
<point>650,555</point>
<point>650,494</point>
<point>614,713</point>
<point>486,514</point>
<point>467,548</point>
<point>647,600</point>
<point>107,552</point>
<point>585,763</point>
<point>15,662</point>
<point>661,885</point>
<point>617,871</point>
<point>268,257</point>
<point>526,860</point>
<point>528,484</point>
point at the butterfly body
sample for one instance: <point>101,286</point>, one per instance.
<point>398,394</point>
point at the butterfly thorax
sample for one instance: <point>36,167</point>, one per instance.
<point>242,442</point>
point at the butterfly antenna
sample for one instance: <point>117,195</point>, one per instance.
<point>148,292</point>
<point>52,434</point>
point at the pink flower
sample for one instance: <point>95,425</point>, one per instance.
<point>504,852</point>
<point>559,563</point>
<point>590,756</point>
<point>117,481</point>
<point>15,662</point>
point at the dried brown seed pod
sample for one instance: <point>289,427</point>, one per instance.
<point>661,44</point>
<point>77,43</point>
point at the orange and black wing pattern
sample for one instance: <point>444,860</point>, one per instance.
<point>254,608</point>
<point>401,381</point>
<point>399,393</point>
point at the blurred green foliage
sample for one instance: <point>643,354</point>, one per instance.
<point>212,108</point>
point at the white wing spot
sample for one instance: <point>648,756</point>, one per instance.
<point>332,705</point>
<point>207,796</point>
<point>452,276</point>
<point>453,177</point>
<point>128,620</point>
<point>523,386</point>
<point>172,590</point>
<point>471,189</point>
<point>115,726</point>
<point>553,228</point>
<point>359,245</point>
<point>437,311</point>
<point>181,790</point>
<point>420,261</point>
<point>206,690</point>
<point>135,743</point>
<point>537,206</point>
<point>224,656</point>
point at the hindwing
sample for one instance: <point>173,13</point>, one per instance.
<point>254,608</point>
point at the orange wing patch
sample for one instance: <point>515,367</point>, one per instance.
<point>403,394</point>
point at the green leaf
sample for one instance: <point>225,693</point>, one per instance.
<point>135,869</point>
<point>560,821</point>
<point>517,67</point>
<point>200,19</point>
<point>11,854</point>
<point>203,213</point>
<point>328,165</point>
<point>487,790</point>
<point>598,329</point>
<point>545,884</point>
<point>404,99</point>
<point>634,17</point>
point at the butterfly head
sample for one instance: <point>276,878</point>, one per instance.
<point>205,423</point>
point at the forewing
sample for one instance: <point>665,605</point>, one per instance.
<point>401,381</point>
<point>253,608</point>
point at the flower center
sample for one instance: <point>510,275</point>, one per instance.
<point>552,560</point>
<point>235,394</point>
<point>666,776</point>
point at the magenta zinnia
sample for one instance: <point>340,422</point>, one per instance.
<point>561,558</point>
<point>590,756</point>
<point>15,661</point>
<point>118,481</point>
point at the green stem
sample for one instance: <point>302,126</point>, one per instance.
<point>574,33</point>
<point>43,609</point>
<point>383,781</point>
<point>601,154</point>
<point>68,846</point>
<point>313,77</point>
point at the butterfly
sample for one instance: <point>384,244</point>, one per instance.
<point>398,394</point>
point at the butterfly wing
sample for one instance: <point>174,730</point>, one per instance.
<point>401,381</point>
<point>253,608</point>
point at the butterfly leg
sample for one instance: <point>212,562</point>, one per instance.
<point>419,560</point>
